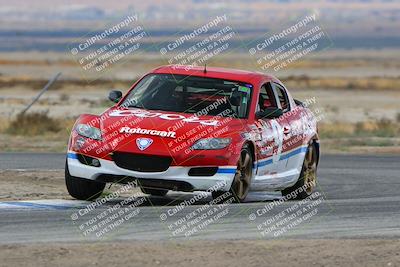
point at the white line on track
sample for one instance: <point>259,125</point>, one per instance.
<point>67,204</point>
<point>43,204</point>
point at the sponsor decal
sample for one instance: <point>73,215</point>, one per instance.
<point>128,130</point>
<point>143,143</point>
<point>171,117</point>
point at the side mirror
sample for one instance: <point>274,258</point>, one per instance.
<point>269,113</point>
<point>115,96</point>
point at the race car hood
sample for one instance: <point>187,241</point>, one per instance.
<point>162,127</point>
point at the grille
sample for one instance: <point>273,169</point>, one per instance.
<point>141,163</point>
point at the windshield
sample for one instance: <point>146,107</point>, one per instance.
<point>191,94</point>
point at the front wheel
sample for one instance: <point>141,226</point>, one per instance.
<point>82,189</point>
<point>305,185</point>
<point>241,182</point>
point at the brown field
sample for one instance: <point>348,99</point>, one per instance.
<point>319,252</point>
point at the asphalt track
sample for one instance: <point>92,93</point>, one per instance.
<point>358,197</point>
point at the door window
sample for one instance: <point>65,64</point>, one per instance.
<point>282,97</point>
<point>266,98</point>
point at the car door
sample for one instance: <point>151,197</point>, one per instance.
<point>270,144</point>
<point>292,150</point>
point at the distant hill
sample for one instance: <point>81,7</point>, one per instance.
<point>50,24</point>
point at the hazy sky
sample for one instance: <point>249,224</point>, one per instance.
<point>107,4</point>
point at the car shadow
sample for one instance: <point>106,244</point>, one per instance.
<point>175,198</point>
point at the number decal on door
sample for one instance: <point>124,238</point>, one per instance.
<point>277,131</point>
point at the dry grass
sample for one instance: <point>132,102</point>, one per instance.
<point>342,63</point>
<point>367,83</point>
<point>294,82</point>
<point>3,124</point>
<point>31,124</point>
<point>378,128</point>
<point>37,84</point>
<point>335,130</point>
<point>50,142</point>
<point>380,136</point>
<point>35,132</point>
<point>64,97</point>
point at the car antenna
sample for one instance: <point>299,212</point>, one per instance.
<point>205,68</point>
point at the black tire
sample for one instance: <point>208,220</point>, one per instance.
<point>241,182</point>
<point>82,189</point>
<point>217,194</point>
<point>304,182</point>
<point>154,192</point>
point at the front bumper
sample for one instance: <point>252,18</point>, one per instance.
<point>221,180</point>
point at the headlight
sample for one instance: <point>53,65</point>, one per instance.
<point>88,131</point>
<point>211,143</point>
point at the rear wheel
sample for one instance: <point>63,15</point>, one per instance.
<point>241,182</point>
<point>82,189</point>
<point>154,192</point>
<point>308,176</point>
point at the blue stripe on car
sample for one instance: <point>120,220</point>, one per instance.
<point>283,157</point>
<point>226,170</point>
<point>294,152</point>
<point>264,163</point>
<point>72,156</point>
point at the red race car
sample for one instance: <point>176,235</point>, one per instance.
<point>195,129</point>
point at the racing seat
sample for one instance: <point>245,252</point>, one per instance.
<point>266,104</point>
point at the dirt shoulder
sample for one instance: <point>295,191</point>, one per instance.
<point>28,185</point>
<point>40,184</point>
<point>363,252</point>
